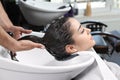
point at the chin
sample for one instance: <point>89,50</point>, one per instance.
<point>93,44</point>
<point>90,47</point>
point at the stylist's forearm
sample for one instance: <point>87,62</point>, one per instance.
<point>4,19</point>
<point>6,40</point>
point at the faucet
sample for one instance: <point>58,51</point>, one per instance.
<point>75,8</point>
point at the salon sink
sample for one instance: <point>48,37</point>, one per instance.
<point>39,64</point>
<point>40,13</point>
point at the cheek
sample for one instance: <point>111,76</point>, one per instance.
<point>84,43</point>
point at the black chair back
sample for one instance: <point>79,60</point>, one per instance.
<point>95,26</point>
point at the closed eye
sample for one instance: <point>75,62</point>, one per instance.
<point>82,31</point>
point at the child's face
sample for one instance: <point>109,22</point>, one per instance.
<point>81,36</point>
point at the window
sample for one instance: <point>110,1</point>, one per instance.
<point>116,3</point>
<point>94,3</point>
<point>99,6</point>
<point>103,7</point>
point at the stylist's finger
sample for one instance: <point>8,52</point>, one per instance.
<point>27,45</point>
<point>37,45</point>
<point>22,30</point>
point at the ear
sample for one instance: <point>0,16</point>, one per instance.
<point>70,48</point>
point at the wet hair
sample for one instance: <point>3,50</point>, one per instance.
<point>57,36</point>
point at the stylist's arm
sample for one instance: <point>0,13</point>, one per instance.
<point>14,45</point>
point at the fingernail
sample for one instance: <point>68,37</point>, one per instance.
<point>42,47</point>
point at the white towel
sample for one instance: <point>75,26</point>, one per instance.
<point>105,71</point>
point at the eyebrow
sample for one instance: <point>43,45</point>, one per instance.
<point>79,27</point>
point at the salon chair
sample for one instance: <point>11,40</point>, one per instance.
<point>97,30</point>
<point>95,25</point>
<point>115,42</point>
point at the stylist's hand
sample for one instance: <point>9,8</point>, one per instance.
<point>17,31</point>
<point>25,45</point>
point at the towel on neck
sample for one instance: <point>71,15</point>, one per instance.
<point>104,70</point>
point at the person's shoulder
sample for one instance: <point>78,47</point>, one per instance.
<point>114,67</point>
<point>112,64</point>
